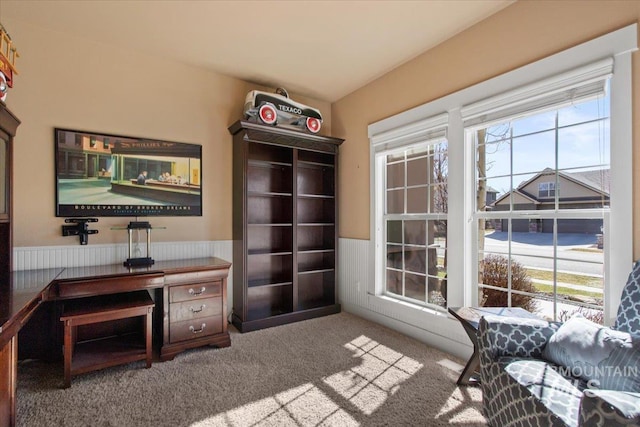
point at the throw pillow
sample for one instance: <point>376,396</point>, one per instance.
<point>605,358</point>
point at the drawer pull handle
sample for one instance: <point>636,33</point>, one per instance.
<point>196,293</point>
<point>197,331</point>
<point>193,310</point>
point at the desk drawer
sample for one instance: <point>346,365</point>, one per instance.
<point>195,309</point>
<point>196,328</point>
<point>195,276</point>
<point>108,285</point>
<point>195,291</point>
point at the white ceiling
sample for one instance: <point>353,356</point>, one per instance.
<point>322,49</point>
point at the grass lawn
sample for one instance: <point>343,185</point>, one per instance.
<point>575,279</point>
<point>548,289</point>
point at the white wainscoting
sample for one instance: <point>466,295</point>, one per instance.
<point>354,269</point>
<point>436,329</point>
<point>40,257</point>
<point>34,258</point>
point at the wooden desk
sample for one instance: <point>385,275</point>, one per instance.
<point>469,317</point>
<point>33,293</point>
<point>17,305</point>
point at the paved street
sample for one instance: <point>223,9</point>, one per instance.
<point>536,250</point>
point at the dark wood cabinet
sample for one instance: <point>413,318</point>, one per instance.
<point>8,348</point>
<point>195,309</point>
<point>284,225</point>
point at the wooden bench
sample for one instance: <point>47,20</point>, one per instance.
<point>111,350</point>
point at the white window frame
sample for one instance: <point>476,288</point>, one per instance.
<point>419,133</point>
<point>397,131</point>
<point>434,132</point>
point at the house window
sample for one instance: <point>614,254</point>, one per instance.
<point>546,189</point>
<point>537,184</point>
<point>411,169</point>
<point>415,222</point>
<point>539,249</point>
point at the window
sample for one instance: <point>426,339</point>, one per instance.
<point>539,250</point>
<point>415,220</point>
<point>541,154</point>
<point>546,189</point>
<point>411,169</point>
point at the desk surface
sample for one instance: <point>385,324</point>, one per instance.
<point>29,288</point>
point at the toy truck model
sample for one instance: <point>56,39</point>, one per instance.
<point>277,109</point>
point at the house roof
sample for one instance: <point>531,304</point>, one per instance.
<point>596,180</point>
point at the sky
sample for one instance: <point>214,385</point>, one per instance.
<point>583,143</point>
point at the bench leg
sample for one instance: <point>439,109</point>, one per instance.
<point>69,339</point>
<point>148,327</point>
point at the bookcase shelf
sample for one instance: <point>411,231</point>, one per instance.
<point>284,225</point>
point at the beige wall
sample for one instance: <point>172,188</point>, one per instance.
<point>520,34</point>
<point>70,82</point>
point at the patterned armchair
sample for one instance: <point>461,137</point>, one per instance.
<point>541,374</point>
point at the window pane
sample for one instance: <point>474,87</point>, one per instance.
<point>415,259</point>
<point>415,287</point>
<point>395,201</point>
<point>534,153</point>
<point>585,111</point>
<point>437,269</point>
<point>395,175</point>
<point>394,282</point>
<point>535,123</point>
<point>584,145</point>
<point>417,200</point>
<point>439,200</point>
<point>498,158</point>
<point>496,133</point>
<point>394,232</point>
<point>415,232</point>
<point>418,171</point>
<point>394,256</point>
<point>584,189</point>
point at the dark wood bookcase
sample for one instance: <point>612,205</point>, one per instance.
<point>8,348</point>
<point>284,225</point>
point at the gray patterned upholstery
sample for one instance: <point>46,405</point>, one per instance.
<point>521,389</point>
<point>628,319</point>
<point>609,408</point>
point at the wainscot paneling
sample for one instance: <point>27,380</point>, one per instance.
<point>355,290</point>
<point>40,257</point>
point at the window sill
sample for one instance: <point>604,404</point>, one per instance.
<point>401,307</point>
<point>433,326</point>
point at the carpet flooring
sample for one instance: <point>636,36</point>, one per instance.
<point>338,370</point>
